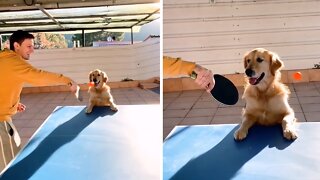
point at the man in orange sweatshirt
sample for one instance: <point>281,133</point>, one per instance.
<point>179,67</point>
<point>14,72</point>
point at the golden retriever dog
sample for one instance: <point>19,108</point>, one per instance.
<point>100,92</point>
<point>265,96</point>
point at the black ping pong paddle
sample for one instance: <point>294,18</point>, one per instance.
<point>224,90</point>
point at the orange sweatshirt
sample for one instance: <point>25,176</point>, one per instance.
<point>176,66</point>
<point>14,72</point>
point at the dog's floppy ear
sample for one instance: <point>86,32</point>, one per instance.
<point>275,63</point>
<point>245,63</point>
<point>90,76</point>
<point>105,77</point>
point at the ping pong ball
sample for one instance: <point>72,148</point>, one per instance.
<point>91,84</point>
<point>297,76</point>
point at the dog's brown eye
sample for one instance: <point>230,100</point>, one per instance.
<point>259,60</point>
<point>98,74</point>
<point>248,60</point>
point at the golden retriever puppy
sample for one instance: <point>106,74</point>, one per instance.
<point>100,92</point>
<point>266,97</point>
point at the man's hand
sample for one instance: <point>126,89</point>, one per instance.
<point>21,107</point>
<point>75,89</point>
<point>204,78</point>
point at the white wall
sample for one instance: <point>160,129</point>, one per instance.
<point>138,61</point>
<point>147,59</point>
<point>218,34</point>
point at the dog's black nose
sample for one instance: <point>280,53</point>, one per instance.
<point>94,80</point>
<point>249,72</point>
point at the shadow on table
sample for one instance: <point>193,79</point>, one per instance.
<point>60,136</point>
<point>225,159</point>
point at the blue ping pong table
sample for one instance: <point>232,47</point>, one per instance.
<point>210,152</point>
<point>102,145</point>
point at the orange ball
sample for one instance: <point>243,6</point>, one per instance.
<point>297,76</point>
<point>91,84</point>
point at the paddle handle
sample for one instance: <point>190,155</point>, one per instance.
<point>193,75</point>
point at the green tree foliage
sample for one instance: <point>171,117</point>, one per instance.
<point>5,37</point>
<point>42,41</point>
<point>98,36</point>
<point>5,42</point>
<point>49,41</point>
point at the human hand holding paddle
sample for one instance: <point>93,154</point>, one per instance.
<point>21,107</point>
<point>75,89</point>
<point>204,78</point>
<point>221,88</point>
